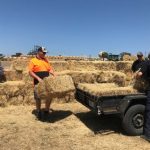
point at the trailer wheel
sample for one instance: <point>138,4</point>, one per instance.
<point>134,119</point>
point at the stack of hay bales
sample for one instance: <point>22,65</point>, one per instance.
<point>125,67</point>
<point>11,93</point>
<point>13,75</point>
<point>98,77</point>
<point>126,58</point>
<point>83,76</point>
<point>60,65</point>
<point>112,77</point>
<point>57,87</point>
<point>92,65</point>
<point>129,58</point>
<point>105,65</point>
<point>106,89</point>
<point>20,64</point>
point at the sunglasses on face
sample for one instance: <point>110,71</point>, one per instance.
<point>44,53</point>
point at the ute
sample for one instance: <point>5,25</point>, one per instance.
<point>129,107</point>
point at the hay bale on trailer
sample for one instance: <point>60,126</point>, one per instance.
<point>96,86</point>
<point>140,84</point>
<point>106,89</point>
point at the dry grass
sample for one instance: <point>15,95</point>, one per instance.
<point>71,127</point>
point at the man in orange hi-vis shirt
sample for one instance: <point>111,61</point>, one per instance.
<point>40,68</point>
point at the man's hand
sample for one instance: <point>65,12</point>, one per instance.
<point>137,75</point>
<point>52,72</point>
<point>39,79</point>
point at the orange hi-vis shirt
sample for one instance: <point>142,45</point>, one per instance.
<point>39,65</point>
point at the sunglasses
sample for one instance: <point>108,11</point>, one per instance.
<point>44,53</point>
<point>139,56</point>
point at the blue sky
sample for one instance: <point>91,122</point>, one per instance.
<point>75,27</point>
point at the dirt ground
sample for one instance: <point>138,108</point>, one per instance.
<point>70,127</point>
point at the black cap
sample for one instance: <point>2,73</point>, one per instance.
<point>139,54</point>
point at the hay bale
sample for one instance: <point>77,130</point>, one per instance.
<point>91,65</point>
<point>107,89</point>
<point>126,58</point>
<point>125,67</point>
<point>16,92</point>
<point>116,91</point>
<point>67,97</point>
<point>96,86</point>
<point>11,93</point>
<point>112,76</point>
<point>55,87</point>
<point>20,64</point>
<point>60,65</point>
<point>83,76</point>
<point>140,84</point>
<point>98,77</point>
<point>13,75</point>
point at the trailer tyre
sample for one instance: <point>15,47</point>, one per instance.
<point>134,119</point>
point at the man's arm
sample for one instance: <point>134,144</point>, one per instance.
<point>142,70</point>
<point>52,72</point>
<point>33,75</point>
<point>133,68</point>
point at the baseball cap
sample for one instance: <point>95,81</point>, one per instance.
<point>139,54</point>
<point>42,49</point>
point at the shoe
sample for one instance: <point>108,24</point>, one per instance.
<point>145,138</point>
<point>39,115</point>
<point>45,115</point>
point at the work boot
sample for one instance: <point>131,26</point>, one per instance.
<point>45,115</point>
<point>145,138</point>
<point>39,115</point>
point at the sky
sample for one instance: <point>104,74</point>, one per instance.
<point>75,27</point>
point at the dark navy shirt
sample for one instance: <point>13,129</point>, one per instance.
<point>136,65</point>
<point>145,69</point>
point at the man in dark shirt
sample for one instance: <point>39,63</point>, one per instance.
<point>137,63</point>
<point>145,73</point>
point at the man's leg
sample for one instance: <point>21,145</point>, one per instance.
<point>38,104</point>
<point>47,104</point>
<point>46,111</point>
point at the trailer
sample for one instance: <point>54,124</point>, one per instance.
<point>129,107</point>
